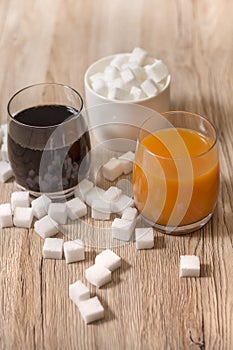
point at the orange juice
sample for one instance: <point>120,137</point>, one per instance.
<point>176,176</point>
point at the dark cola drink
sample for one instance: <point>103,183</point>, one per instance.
<point>48,148</point>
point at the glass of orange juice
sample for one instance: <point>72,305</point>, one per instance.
<point>176,171</point>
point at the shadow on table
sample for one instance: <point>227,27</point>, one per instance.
<point>206,270</point>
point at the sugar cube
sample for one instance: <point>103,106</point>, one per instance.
<point>5,215</point>
<point>116,83</point>
<point>5,171</point>
<point>112,194</point>
<point>121,204</point>
<point>117,93</point>
<point>111,73</point>
<point>138,71</point>
<point>91,310</point>
<point>100,209</point>
<point>129,214</point>
<point>149,87</point>
<point>99,87</point>
<point>138,55</point>
<point>128,76</point>
<point>122,229</point>
<point>127,160</point>
<point>58,212</point>
<point>76,208</point>
<point>96,76</point>
<point>4,129</point>
<point>78,292</point>
<point>157,71</point>
<point>52,248</point>
<point>112,169</point>
<point>108,259</point>
<point>137,93</point>
<point>94,194</point>
<point>4,152</point>
<point>118,61</point>
<point>189,266</point>
<point>144,238</point>
<point>74,251</point>
<point>20,199</point>
<point>46,227</point>
<point>83,187</point>
<point>23,217</point>
<point>40,206</point>
<point>98,275</point>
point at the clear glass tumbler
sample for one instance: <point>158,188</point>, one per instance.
<point>176,172</point>
<point>48,139</point>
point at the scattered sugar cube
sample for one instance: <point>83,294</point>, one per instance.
<point>127,160</point>
<point>4,152</point>
<point>144,238</point>
<point>136,93</point>
<point>4,129</point>
<point>138,55</point>
<point>100,209</point>
<point>129,214</point>
<point>121,204</point>
<point>128,76</point>
<point>149,87</point>
<point>111,73</point>
<point>46,227</point>
<point>112,169</point>
<point>108,259</point>
<point>96,76</point>
<point>91,310</point>
<point>5,171</point>
<point>117,93</point>
<point>20,199</point>
<point>5,215</point>
<point>58,212</point>
<point>23,217</point>
<point>78,292</point>
<point>98,275</point>
<point>74,251</point>
<point>189,266</point>
<point>76,208</point>
<point>157,71</point>
<point>94,194</point>
<point>83,187</point>
<point>99,87</point>
<point>122,229</point>
<point>40,206</point>
<point>53,248</point>
<point>112,194</point>
<point>118,61</point>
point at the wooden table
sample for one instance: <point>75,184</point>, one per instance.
<point>147,305</point>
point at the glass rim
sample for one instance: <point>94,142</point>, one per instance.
<point>179,158</point>
<point>45,84</point>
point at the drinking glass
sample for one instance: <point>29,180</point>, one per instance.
<point>48,139</point>
<point>176,172</point>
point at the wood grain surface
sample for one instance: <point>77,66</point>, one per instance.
<point>147,305</point>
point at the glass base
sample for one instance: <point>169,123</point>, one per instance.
<point>55,196</point>
<point>179,230</point>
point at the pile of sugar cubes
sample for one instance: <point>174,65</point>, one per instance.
<point>5,168</point>
<point>49,215</point>
<point>133,76</point>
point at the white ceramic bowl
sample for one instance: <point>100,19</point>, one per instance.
<point>114,122</point>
